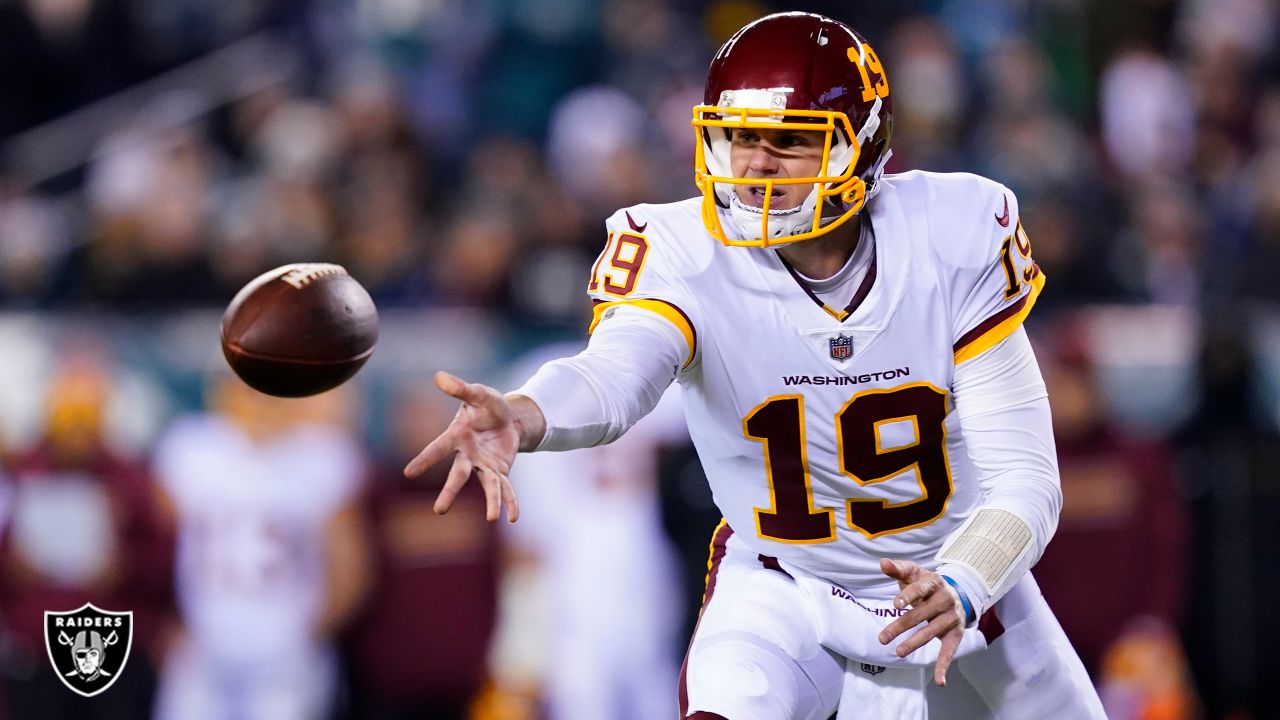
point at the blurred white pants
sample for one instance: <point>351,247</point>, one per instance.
<point>195,686</point>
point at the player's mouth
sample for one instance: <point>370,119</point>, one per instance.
<point>756,195</point>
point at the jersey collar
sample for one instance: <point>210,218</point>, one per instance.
<point>875,301</point>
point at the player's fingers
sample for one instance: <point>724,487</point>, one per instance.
<point>434,452</point>
<point>897,627</point>
<point>904,571</point>
<point>458,476</point>
<point>918,590</point>
<point>450,384</point>
<point>454,386</point>
<point>906,621</point>
<point>509,498</point>
<point>950,643</point>
<point>492,493</point>
<point>921,611</point>
<point>936,628</point>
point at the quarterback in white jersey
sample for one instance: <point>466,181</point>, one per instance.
<point>860,391</point>
<point>843,412</point>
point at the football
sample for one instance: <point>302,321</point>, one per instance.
<point>299,330</point>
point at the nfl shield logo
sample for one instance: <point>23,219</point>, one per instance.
<point>88,647</point>
<point>872,670</point>
<point>841,347</point>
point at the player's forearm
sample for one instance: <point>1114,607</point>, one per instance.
<point>594,397</point>
<point>1008,532</point>
<point>530,422</point>
<point>1008,430</point>
<point>1004,412</point>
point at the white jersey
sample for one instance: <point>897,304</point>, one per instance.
<point>251,519</point>
<point>829,435</point>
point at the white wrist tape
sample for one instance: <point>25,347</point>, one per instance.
<point>990,543</point>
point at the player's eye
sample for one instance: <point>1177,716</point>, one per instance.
<point>789,140</point>
<point>745,137</point>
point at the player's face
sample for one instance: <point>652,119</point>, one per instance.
<point>758,153</point>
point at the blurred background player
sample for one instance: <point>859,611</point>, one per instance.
<point>83,526</point>
<point>272,555</point>
<point>592,605</point>
<point>418,648</point>
<point>1123,516</point>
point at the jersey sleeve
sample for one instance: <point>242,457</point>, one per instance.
<point>994,281</point>
<point>595,396</point>
<point>639,268</point>
<point>1004,412</point>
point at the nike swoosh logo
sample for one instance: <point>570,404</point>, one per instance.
<point>1002,219</point>
<point>640,228</point>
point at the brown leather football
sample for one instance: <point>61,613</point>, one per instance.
<point>299,329</point>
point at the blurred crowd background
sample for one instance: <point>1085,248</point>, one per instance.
<point>459,157</point>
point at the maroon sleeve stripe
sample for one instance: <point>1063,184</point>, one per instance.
<point>986,325</point>
<point>719,539</point>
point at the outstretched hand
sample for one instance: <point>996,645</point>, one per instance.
<point>485,437</point>
<point>932,601</point>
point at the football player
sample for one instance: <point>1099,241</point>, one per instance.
<point>859,387</point>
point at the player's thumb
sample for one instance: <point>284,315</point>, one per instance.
<point>451,385</point>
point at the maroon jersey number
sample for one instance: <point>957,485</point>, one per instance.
<point>778,423</point>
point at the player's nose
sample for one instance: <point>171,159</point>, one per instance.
<point>763,161</point>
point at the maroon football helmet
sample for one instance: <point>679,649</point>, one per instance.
<point>794,71</point>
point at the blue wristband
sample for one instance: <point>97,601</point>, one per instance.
<point>969,616</point>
